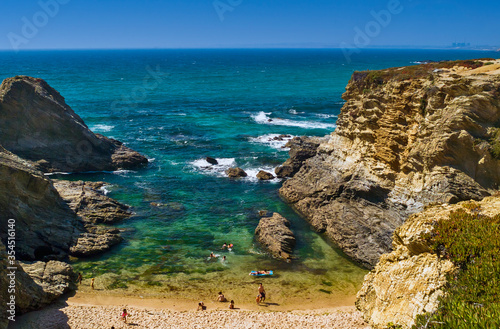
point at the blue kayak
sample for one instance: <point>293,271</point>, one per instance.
<point>258,273</point>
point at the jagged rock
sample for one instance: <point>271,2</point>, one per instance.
<point>95,241</point>
<point>265,213</point>
<point>45,225</point>
<point>87,200</point>
<point>264,175</point>
<point>409,280</point>
<point>36,285</point>
<point>301,149</point>
<point>38,125</point>
<point>236,173</point>
<point>56,278</point>
<point>212,161</point>
<point>402,141</point>
<point>274,234</point>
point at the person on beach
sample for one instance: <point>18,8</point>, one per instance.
<point>80,278</point>
<point>201,306</point>
<point>257,299</point>
<point>92,283</point>
<point>231,305</point>
<point>262,292</point>
<point>124,315</point>
<point>221,297</point>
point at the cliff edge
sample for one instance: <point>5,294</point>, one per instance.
<point>406,137</point>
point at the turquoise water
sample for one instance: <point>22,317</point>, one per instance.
<point>179,106</point>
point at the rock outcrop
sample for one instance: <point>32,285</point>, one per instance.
<point>301,149</point>
<point>274,234</point>
<point>35,285</point>
<point>88,201</point>
<point>236,173</point>
<point>405,138</point>
<point>409,280</point>
<point>264,175</point>
<point>37,124</point>
<point>46,226</point>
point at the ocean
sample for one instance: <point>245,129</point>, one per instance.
<point>178,107</point>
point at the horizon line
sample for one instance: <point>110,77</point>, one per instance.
<point>395,47</point>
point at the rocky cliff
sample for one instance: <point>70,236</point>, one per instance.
<point>405,138</point>
<point>37,124</point>
<point>409,280</point>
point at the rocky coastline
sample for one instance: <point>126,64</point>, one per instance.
<point>54,219</point>
<point>405,138</point>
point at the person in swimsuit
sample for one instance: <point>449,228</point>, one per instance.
<point>262,292</point>
<point>124,315</point>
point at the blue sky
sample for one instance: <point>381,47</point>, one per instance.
<point>25,24</point>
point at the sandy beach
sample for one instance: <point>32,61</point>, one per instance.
<point>103,310</point>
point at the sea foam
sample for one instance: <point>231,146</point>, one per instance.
<point>272,140</point>
<point>263,118</point>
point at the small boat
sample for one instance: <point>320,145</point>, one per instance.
<point>261,273</point>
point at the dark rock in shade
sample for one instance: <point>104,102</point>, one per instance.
<point>264,175</point>
<point>37,284</point>
<point>301,149</point>
<point>89,203</point>
<point>236,173</point>
<point>212,161</point>
<point>400,144</point>
<point>274,234</point>
<point>38,125</point>
<point>46,226</point>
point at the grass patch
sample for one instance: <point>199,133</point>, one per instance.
<point>367,78</point>
<point>471,241</point>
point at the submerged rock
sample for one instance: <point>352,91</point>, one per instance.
<point>264,175</point>
<point>38,125</point>
<point>236,173</point>
<point>274,234</point>
<point>402,141</point>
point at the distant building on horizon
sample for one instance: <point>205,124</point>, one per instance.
<point>460,44</point>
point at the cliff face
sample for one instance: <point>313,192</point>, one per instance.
<point>38,125</point>
<point>45,225</point>
<point>409,280</point>
<point>405,138</point>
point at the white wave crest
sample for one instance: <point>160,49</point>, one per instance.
<point>273,140</point>
<point>219,169</point>
<point>101,128</point>
<point>263,118</point>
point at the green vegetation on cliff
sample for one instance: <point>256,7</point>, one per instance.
<point>470,240</point>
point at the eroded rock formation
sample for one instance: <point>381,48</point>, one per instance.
<point>405,138</point>
<point>409,280</point>
<point>274,234</point>
<point>37,124</point>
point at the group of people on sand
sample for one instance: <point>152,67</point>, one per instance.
<point>222,299</point>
